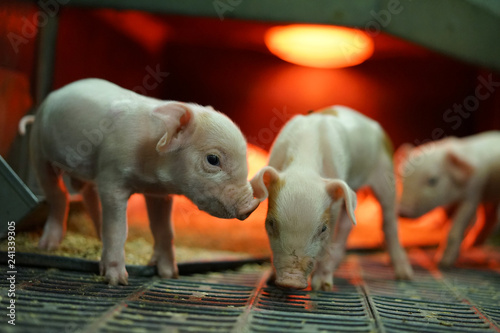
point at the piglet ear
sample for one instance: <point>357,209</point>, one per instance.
<point>459,169</point>
<point>176,117</point>
<point>338,189</point>
<point>402,153</point>
<point>262,181</point>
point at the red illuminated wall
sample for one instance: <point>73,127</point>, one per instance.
<point>225,64</point>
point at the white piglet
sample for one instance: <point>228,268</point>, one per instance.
<point>113,143</point>
<point>457,174</point>
<point>316,163</point>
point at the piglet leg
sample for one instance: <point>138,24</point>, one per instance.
<point>93,205</point>
<point>57,197</point>
<point>333,254</point>
<point>464,215</point>
<point>385,191</point>
<point>159,212</point>
<point>114,232</point>
<point>91,202</point>
<point>490,221</point>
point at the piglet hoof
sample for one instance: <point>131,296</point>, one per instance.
<point>404,272</point>
<point>114,273</point>
<point>446,262</point>
<point>446,259</point>
<point>271,281</point>
<point>403,269</point>
<point>402,266</point>
<point>169,272</point>
<point>322,282</point>
<point>167,269</point>
<point>50,240</point>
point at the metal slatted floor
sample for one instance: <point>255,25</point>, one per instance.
<point>366,299</point>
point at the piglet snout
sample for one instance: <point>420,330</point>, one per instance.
<point>405,212</point>
<point>248,209</point>
<point>294,280</point>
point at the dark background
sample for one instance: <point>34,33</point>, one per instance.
<point>407,88</point>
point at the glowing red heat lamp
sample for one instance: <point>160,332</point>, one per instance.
<point>319,46</point>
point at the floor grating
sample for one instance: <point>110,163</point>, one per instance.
<point>366,298</point>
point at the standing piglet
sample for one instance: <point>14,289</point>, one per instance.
<point>457,174</point>
<point>315,164</point>
<point>114,142</point>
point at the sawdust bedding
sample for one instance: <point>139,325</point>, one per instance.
<point>81,241</point>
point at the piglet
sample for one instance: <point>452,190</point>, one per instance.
<point>316,163</point>
<point>457,174</point>
<point>113,143</point>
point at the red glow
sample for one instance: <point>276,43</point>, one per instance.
<point>428,230</point>
<point>145,29</point>
<point>198,229</point>
<point>319,46</point>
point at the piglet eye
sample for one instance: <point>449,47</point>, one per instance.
<point>432,181</point>
<point>324,228</point>
<point>213,160</point>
